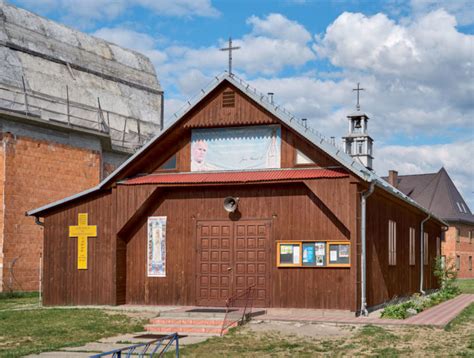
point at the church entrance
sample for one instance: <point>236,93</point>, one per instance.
<point>231,256</point>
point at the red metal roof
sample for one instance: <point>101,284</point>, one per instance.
<point>236,177</point>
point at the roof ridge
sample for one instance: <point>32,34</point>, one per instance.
<point>438,177</point>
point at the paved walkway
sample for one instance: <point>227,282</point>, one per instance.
<point>439,315</point>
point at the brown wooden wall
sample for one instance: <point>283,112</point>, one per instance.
<point>295,213</point>
<point>63,283</point>
<point>386,282</point>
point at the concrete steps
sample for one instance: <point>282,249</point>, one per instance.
<point>188,323</point>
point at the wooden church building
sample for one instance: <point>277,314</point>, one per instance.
<point>237,193</point>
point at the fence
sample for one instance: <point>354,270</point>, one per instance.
<point>124,132</point>
<point>155,348</point>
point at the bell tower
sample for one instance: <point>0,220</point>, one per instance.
<point>357,143</point>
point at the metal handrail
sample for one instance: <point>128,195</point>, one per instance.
<point>86,116</point>
<point>155,345</point>
<point>231,302</point>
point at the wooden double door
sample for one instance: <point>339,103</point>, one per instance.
<point>232,256</point>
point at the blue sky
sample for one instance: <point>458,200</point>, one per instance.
<point>414,58</point>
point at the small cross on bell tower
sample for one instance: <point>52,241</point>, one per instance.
<point>358,143</point>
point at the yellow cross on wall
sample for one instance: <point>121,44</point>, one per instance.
<point>82,231</point>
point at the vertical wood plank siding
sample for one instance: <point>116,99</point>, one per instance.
<point>296,214</point>
<point>386,282</point>
<point>63,283</point>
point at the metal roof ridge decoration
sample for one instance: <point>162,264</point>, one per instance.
<point>236,177</point>
<point>291,121</point>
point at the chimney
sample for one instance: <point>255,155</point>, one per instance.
<point>270,96</point>
<point>393,178</point>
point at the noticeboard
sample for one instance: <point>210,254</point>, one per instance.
<point>289,254</point>
<point>339,254</point>
<point>313,254</point>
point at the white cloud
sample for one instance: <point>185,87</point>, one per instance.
<point>279,27</point>
<point>133,40</point>
<point>429,50</point>
<point>455,157</point>
<point>462,9</point>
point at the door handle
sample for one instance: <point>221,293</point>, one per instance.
<point>229,268</point>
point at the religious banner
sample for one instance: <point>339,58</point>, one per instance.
<point>156,264</point>
<point>82,231</point>
<point>242,148</point>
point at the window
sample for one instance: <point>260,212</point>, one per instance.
<point>170,164</point>
<point>302,159</point>
<point>458,234</point>
<point>412,246</point>
<point>425,249</point>
<point>458,262</point>
<point>438,247</point>
<point>359,147</point>
<point>392,243</point>
<point>470,236</point>
<point>470,263</point>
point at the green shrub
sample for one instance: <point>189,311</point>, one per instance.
<point>446,274</point>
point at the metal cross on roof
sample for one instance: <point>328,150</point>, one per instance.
<point>230,48</point>
<point>358,89</point>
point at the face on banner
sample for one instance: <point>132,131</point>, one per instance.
<point>239,148</point>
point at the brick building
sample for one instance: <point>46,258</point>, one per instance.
<point>437,193</point>
<point>72,109</point>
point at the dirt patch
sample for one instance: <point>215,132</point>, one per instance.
<point>306,330</point>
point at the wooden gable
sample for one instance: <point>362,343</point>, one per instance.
<point>228,107</point>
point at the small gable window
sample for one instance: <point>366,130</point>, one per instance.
<point>228,99</point>
<point>170,164</point>
<point>302,159</point>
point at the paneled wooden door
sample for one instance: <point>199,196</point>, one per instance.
<point>230,257</point>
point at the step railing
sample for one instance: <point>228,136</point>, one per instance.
<point>154,348</point>
<point>238,308</point>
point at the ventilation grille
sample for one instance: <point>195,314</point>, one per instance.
<point>228,99</point>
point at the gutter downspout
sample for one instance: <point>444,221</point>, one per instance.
<point>422,253</point>
<point>363,254</point>
<point>40,283</point>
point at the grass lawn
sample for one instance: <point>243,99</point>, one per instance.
<point>456,340</point>
<point>18,300</point>
<point>466,285</point>
<point>34,330</point>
